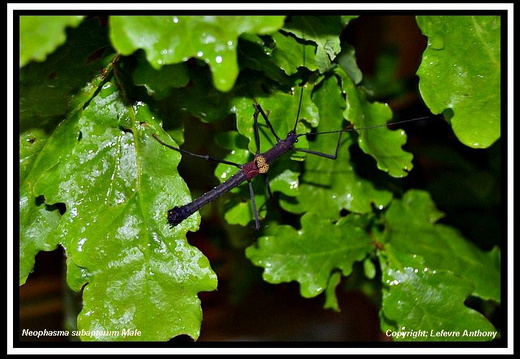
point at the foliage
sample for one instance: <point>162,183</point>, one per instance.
<point>94,181</point>
<point>474,85</point>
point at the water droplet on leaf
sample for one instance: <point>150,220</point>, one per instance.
<point>437,42</point>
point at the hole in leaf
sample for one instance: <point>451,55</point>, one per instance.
<point>60,207</point>
<point>40,200</point>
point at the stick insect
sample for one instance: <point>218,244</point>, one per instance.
<point>261,161</point>
<point>258,165</point>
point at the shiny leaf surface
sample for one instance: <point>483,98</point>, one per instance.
<point>428,304</point>
<point>450,78</point>
<point>101,163</point>
<point>213,39</point>
<point>411,228</point>
<point>308,256</point>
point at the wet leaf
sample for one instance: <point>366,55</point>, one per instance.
<point>213,39</point>
<point>347,61</point>
<point>426,304</point>
<point>324,31</point>
<point>199,97</point>
<point>451,78</point>
<point>309,255</point>
<point>289,54</point>
<point>39,220</point>
<point>410,227</point>
<point>102,164</point>
<point>380,142</point>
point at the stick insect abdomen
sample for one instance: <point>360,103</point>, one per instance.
<point>247,172</point>
<point>178,214</point>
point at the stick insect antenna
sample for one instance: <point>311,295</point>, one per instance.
<point>301,94</point>
<point>351,128</point>
<point>206,157</point>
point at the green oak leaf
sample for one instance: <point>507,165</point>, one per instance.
<point>41,35</point>
<point>347,61</point>
<point>31,143</point>
<point>410,227</point>
<point>173,39</point>
<point>38,220</point>
<point>450,78</point>
<point>324,31</point>
<point>309,255</point>
<point>37,226</point>
<point>289,54</point>
<point>375,139</point>
<point>420,298</point>
<point>117,183</point>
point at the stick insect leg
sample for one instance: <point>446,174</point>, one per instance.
<point>253,203</point>
<point>206,157</point>
<point>258,109</point>
<point>326,155</point>
<point>257,138</point>
<point>255,129</point>
<point>268,186</point>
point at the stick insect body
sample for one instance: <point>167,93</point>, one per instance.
<point>259,165</point>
